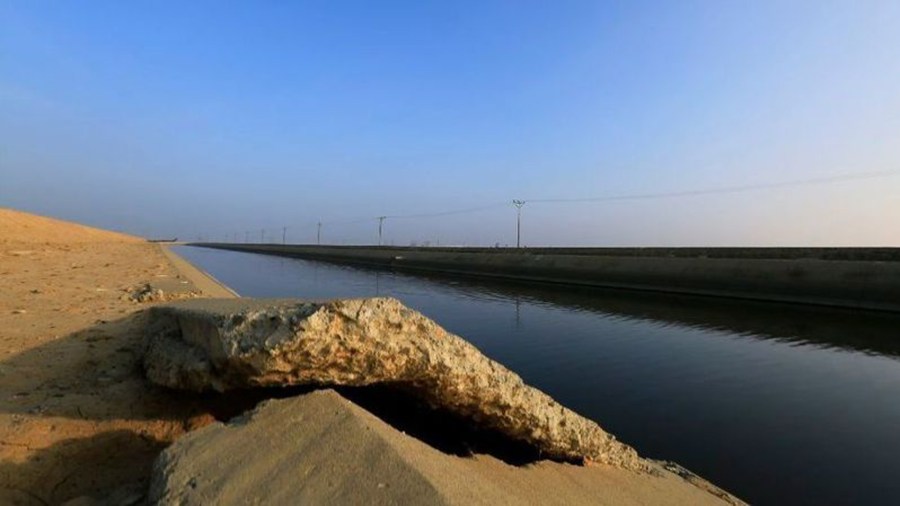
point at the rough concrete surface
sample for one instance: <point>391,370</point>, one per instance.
<point>319,448</point>
<point>226,344</point>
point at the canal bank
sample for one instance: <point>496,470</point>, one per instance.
<point>859,278</point>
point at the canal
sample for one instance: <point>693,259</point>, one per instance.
<point>775,403</point>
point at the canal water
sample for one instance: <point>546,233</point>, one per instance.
<point>777,404</point>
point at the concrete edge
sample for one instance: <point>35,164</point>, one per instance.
<point>202,280</point>
<point>859,285</point>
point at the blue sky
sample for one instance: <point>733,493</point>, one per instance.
<point>216,118</point>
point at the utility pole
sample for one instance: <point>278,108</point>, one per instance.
<point>246,236</point>
<point>319,233</point>
<point>380,226</point>
<point>283,235</point>
<point>518,204</point>
<point>262,236</point>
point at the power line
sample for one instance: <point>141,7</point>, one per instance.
<point>447,213</point>
<point>728,189</point>
<point>350,222</point>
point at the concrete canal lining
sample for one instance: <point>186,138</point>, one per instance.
<point>864,278</point>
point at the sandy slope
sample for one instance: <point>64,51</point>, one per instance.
<point>16,226</point>
<point>76,417</point>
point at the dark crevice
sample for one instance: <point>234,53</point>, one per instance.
<point>438,428</point>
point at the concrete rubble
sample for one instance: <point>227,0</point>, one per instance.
<point>228,344</point>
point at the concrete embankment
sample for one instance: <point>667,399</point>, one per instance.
<point>865,278</point>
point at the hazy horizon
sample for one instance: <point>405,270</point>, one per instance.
<point>211,120</point>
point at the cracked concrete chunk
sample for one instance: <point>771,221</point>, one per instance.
<point>226,344</point>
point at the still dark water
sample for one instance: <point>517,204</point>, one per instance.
<point>778,404</point>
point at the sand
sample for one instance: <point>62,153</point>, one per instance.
<point>76,416</point>
<point>79,421</point>
<point>31,228</point>
<point>340,453</point>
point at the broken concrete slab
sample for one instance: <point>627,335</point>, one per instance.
<point>227,344</point>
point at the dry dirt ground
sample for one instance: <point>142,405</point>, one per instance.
<point>76,416</point>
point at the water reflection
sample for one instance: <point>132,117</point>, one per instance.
<point>864,331</point>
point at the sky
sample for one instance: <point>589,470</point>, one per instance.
<point>231,120</point>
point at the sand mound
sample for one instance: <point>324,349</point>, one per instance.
<point>320,448</point>
<point>17,226</point>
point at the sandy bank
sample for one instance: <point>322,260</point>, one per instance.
<point>76,416</point>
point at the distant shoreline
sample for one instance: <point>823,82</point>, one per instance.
<point>846,253</point>
<point>857,278</point>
